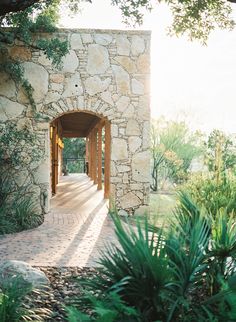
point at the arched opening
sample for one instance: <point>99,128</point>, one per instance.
<point>96,132</point>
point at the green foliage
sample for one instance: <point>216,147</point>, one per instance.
<point>54,50</point>
<point>109,308</point>
<point>75,166</point>
<point>196,19</point>
<point>12,294</point>
<point>74,148</point>
<point>19,148</point>
<point>7,225</point>
<point>213,195</point>
<point>25,215</point>
<point>173,147</point>
<point>223,251</point>
<point>220,153</point>
<point>40,17</point>
<point>162,274</point>
<point>18,213</point>
<point>74,154</point>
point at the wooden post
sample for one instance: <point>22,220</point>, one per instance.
<point>87,156</point>
<point>95,131</point>
<point>56,155</point>
<point>107,159</point>
<point>100,157</point>
<point>53,161</point>
<point>90,156</point>
<point>93,155</point>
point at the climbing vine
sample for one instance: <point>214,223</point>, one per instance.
<point>24,27</point>
<point>19,150</point>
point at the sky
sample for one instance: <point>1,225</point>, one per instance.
<point>188,81</point>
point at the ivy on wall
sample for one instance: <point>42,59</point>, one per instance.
<point>19,150</point>
<point>23,28</point>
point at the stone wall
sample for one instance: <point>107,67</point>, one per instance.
<point>106,72</point>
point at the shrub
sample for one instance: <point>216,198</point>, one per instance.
<point>19,149</point>
<point>161,275</point>
<point>20,214</point>
<point>25,214</point>
<point>212,195</point>
<point>12,294</point>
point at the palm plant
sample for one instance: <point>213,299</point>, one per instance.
<point>25,214</point>
<point>12,294</point>
<point>161,275</point>
<point>222,250</point>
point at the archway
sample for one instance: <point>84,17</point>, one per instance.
<point>88,125</point>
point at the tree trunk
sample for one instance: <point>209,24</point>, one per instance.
<point>154,186</point>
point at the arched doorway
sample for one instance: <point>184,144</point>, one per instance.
<point>96,130</point>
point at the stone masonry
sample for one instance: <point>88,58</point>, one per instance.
<point>106,73</point>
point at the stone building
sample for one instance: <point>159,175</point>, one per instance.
<point>103,82</point>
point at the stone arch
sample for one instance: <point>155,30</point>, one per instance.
<point>129,163</point>
<point>89,125</point>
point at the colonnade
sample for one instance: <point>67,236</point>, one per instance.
<point>94,147</point>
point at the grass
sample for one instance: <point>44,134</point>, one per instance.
<point>161,207</point>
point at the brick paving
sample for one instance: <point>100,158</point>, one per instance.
<point>73,233</point>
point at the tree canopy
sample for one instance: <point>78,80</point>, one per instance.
<point>173,147</point>
<point>220,152</point>
<point>194,18</point>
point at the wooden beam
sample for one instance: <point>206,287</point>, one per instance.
<point>93,125</point>
<point>100,158</point>
<point>74,134</point>
<point>107,170</point>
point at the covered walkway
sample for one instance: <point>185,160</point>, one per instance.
<point>73,232</point>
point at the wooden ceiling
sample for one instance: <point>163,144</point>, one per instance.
<point>78,124</point>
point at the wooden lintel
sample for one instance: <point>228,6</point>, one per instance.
<point>74,134</point>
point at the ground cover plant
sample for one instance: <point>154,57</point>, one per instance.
<point>13,292</point>
<point>182,273</point>
<point>18,152</point>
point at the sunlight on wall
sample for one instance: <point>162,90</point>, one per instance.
<point>187,79</point>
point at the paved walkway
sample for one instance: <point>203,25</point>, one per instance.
<point>72,234</point>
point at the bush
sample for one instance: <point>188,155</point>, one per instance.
<point>161,275</point>
<point>213,195</point>
<point>19,215</point>
<point>12,294</point>
<point>25,214</point>
<point>19,149</point>
<point>19,301</point>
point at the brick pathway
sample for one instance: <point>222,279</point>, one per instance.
<point>72,234</point>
